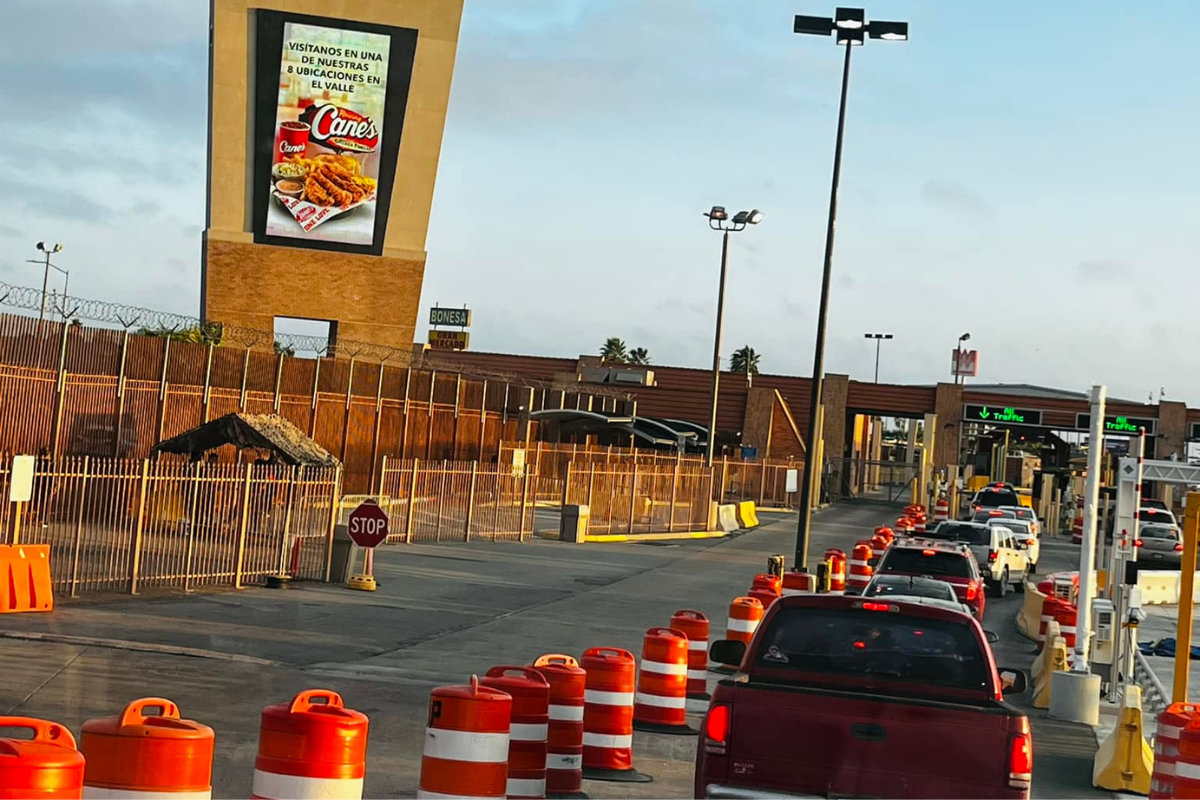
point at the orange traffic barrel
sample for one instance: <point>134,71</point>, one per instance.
<point>860,566</point>
<point>796,582</point>
<point>608,715</point>
<point>1187,762</point>
<point>878,545</point>
<point>134,754</point>
<point>885,531</point>
<point>1171,723</point>
<point>1066,616</point>
<point>528,730</point>
<point>311,747</point>
<point>744,615</point>
<point>564,739</point>
<point>466,742</point>
<point>906,525</point>
<point>1047,616</point>
<point>769,580</point>
<point>764,593</point>
<point>696,627</point>
<point>941,510</point>
<point>46,767</point>
<point>837,570</point>
<point>660,703</point>
<point>914,510</point>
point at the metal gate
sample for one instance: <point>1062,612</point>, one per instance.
<point>881,480</point>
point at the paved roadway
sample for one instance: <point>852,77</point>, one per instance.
<point>442,612</point>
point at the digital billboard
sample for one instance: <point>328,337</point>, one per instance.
<point>330,97</point>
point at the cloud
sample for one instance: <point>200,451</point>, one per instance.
<point>953,196</point>
<point>53,201</point>
<point>1103,269</point>
<point>9,230</point>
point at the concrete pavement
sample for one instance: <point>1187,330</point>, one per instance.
<point>442,612</point>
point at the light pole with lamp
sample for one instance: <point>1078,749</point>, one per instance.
<point>958,351</point>
<point>851,27</point>
<point>49,251</point>
<point>878,337</point>
<point>719,220</point>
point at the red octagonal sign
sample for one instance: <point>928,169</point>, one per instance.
<point>368,525</point>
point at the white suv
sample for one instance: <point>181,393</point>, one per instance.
<point>1002,560</point>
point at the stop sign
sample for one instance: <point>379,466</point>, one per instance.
<point>368,524</point>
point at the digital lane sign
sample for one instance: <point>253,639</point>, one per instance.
<point>1119,425</point>
<point>1002,415</point>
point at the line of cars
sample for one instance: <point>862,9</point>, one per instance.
<point>891,693</point>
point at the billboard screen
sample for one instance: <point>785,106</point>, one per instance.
<point>330,97</point>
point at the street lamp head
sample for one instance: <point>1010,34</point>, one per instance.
<point>888,31</point>
<point>717,214</point>
<point>853,37</point>
<point>754,217</point>
<point>815,26</point>
<point>41,246</point>
<point>850,18</point>
<point>965,337</point>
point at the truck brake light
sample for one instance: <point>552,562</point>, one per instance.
<point>972,589</point>
<point>716,730</point>
<point>991,556</point>
<point>1020,761</point>
<point>1178,548</point>
<point>877,607</point>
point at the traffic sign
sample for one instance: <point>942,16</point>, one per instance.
<point>368,524</point>
<point>1002,415</point>
<point>1119,425</point>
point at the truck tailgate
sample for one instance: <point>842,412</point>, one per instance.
<point>859,745</point>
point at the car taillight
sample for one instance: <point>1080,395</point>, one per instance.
<point>716,730</point>
<point>991,556</point>
<point>878,607</point>
<point>972,590</point>
<point>1137,542</point>
<point>1020,761</point>
<point>1031,542</point>
<point>1178,548</point>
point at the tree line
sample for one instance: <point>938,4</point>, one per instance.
<point>745,359</point>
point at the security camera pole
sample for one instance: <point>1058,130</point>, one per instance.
<point>46,276</point>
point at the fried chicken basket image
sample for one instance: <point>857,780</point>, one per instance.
<point>317,189</point>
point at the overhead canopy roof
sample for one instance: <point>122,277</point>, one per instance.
<point>653,431</point>
<point>270,432</point>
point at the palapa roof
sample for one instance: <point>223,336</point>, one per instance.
<point>261,431</point>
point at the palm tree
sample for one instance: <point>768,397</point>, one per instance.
<point>614,350</point>
<point>639,355</point>
<point>744,360</point>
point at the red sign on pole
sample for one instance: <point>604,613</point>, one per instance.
<point>368,524</point>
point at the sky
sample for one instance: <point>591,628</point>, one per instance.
<point>1022,171</point>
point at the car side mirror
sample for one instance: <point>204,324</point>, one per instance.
<point>728,652</point>
<point>991,636</point>
<point>1012,681</point>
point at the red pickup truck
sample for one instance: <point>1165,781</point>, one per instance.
<point>841,696</point>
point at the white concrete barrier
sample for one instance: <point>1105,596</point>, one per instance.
<point>1161,586</point>
<point>727,517</point>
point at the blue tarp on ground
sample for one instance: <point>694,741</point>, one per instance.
<point>1164,647</point>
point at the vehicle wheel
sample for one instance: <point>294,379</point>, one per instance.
<point>994,588</point>
<point>1033,568</point>
<point>1004,586</point>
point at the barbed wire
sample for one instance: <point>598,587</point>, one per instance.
<point>130,317</point>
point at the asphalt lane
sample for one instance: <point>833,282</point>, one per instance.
<point>442,613</point>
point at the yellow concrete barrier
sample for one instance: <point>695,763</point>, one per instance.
<point>1125,760</point>
<point>727,517</point>
<point>1039,663</point>
<point>747,514</point>
<point>1029,620</point>
<point>1055,661</point>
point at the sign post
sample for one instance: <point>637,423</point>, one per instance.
<point>367,528</point>
<point>20,490</point>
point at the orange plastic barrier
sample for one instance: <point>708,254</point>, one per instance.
<point>135,754</point>
<point>878,546</point>
<point>1187,762</point>
<point>1065,614</point>
<point>528,730</point>
<point>1048,606</point>
<point>311,747</point>
<point>1171,723</point>
<point>660,703</point>
<point>564,740</point>
<point>466,742</point>
<point>47,767</point>
<point>25,578</point>
<point>744,615</point>
<point>860,566</point>
<point>696,627</point>
<point>886,532</point>
<point>837,572</point>
<point>906,525</point>
<point>765,589</point>
<point>798,583</point>
<point>608,715</point>
<point>941,510</point>
<point>914,510</point>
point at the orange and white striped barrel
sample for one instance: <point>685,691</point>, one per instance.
<point>608,715</point>
<point>660,702</point>
<point>919,523</point>
<point>528,730</point>
<point>886,532</point>
<point>763,594</point>
<point>941,510</point>
<point>837,570</point>
<point>47,766</point>
<point>768,580</point>
<point>696,626</point>
<point>1066,616</point>
<point>1047,617</point>
<point>138,756</point>
<point>878,546</point>
<point>795,582</point>
<point>744,615</point>
<point>311,747</point>
<point>1077,529</point>
<point>1171,723</point>
<point>913,510</point>
<point>905,525</point>
<point>564,740</point>
<point>1187,762</point>
<point>466,742</point>
<point>860,566</point>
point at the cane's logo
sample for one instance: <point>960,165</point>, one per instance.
<point>342,129</point>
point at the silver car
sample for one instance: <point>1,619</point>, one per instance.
<point>1159,545</point>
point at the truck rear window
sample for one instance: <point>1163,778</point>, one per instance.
<point>875,644</point>
<point>936,563</point>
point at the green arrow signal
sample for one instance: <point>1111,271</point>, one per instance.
<point>984,414</point>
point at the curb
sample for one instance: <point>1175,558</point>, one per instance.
<point>655,537</point>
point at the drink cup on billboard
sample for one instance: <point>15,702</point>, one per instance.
<point>292,141</point>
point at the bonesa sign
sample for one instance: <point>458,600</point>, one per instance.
<point>1119,425</point>
<point>450,317</point>
<point>1002,415</point>
<point>368,524</point>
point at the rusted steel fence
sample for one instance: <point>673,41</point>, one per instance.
<point>123,525</point>
<point>629,498</point>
